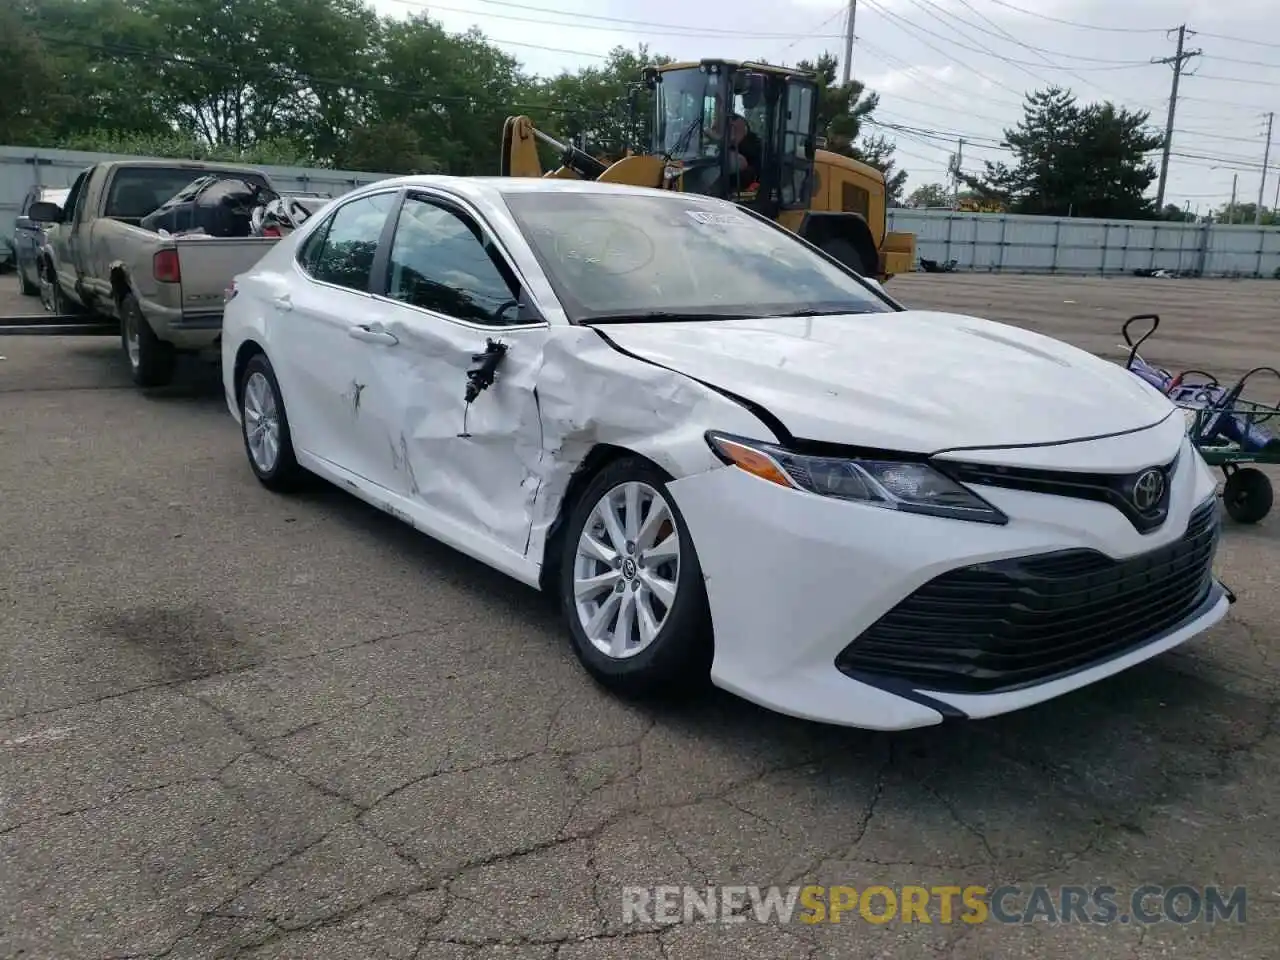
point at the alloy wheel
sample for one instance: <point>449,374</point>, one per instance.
<point>626,569</point>
<point>261,422</point>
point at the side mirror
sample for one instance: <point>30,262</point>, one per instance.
<point>42,211</point>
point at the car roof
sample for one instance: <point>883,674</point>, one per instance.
<point>494,188</point>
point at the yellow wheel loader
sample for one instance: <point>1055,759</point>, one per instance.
<point>745,132</point>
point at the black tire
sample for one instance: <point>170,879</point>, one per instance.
<point>51,296</point>
<point>844,251</point>
<point>1247,495</point>
<point>25,286</point>
<point>152,363</point>
<point>678,660</point>
<point>284,476</point>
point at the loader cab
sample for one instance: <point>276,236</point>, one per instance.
<point>697,108</point>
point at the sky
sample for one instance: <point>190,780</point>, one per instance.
<point>952,69</point>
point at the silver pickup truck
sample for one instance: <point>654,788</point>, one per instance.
<point>165,291</point>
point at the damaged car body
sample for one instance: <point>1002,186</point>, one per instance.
<point>727,454</point>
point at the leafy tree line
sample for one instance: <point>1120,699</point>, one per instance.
<point>323,83</point>
<point>1068,159</point>
<point>332,83</point>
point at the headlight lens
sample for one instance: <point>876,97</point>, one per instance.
<point>893,484</point>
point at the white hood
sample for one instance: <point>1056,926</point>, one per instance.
<point>916,381</point>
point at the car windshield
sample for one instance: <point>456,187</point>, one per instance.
<point>673,256</point>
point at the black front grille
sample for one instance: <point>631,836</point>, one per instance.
<point>1001,625</point>
<point>1115,489</point>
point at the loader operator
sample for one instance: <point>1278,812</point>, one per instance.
<point>744,156</point>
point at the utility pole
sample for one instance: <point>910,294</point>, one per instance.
<point>1232,208</point>
<point>848,42</point>
<point>1266,158</point>
<point>955,174</point>
<point>1176,61</point>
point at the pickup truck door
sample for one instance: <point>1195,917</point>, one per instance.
<point>63,237</point>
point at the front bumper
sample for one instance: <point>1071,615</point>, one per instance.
<point>795,579</point>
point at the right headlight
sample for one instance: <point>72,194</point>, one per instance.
<point>905,485</point>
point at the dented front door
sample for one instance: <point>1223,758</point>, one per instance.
<point>454,300</point>
<point>473,463</point>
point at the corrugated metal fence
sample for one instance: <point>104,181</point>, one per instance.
<point>1021,244</point>
<point>23,167</point>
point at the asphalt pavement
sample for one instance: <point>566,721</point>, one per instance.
<point>239,724</point>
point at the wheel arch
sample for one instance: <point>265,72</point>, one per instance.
<point>121,284</point>
<point>597,459</point>
<point>244,353</point>
<point>819,228</point>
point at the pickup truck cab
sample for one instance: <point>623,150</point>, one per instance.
<point>164,291</point>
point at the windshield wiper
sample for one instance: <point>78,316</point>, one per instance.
<point>806,312</point>
<point>663,316</point>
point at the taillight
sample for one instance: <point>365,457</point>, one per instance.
<point>166,267</point>
<point>272,231</point>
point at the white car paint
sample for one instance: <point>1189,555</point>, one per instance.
<point>792,577</point>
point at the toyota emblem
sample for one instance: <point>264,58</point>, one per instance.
<point>1148,490</point>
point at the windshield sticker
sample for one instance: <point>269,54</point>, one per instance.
<point>715,219</point>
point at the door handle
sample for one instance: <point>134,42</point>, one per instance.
<point>283,301</point>
<point>367,334</point>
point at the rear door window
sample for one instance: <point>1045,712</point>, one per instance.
<point>345,255</point>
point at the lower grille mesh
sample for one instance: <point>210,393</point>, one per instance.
<point>996,626</point>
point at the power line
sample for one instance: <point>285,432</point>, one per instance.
<point>1074,23</point>
<point>576,18</point>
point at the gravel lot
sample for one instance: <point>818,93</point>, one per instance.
<point>240,725</point>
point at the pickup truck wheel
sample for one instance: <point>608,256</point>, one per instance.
<point>151,361</point>
<point>51,297</point>
<point>265,427</point>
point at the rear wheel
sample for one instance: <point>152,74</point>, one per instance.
<point>848,254</point>
<point>151,361</point>
<point>265,427</point>
<point>631,586</point>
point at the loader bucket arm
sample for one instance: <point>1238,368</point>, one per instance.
<point>520,153</point>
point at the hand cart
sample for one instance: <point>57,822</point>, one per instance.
<point>1225,428</point>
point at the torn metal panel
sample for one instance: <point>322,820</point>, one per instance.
<point>501,464</point>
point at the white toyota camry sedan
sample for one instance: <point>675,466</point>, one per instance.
<point>727,455</point>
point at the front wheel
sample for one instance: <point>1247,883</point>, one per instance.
<point>25,286</point>
<point>844,251</point>
<point>631,586</point>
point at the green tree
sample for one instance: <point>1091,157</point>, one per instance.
<point>931,195</point>
<point>842,110</point>
<point>1087,160</point>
